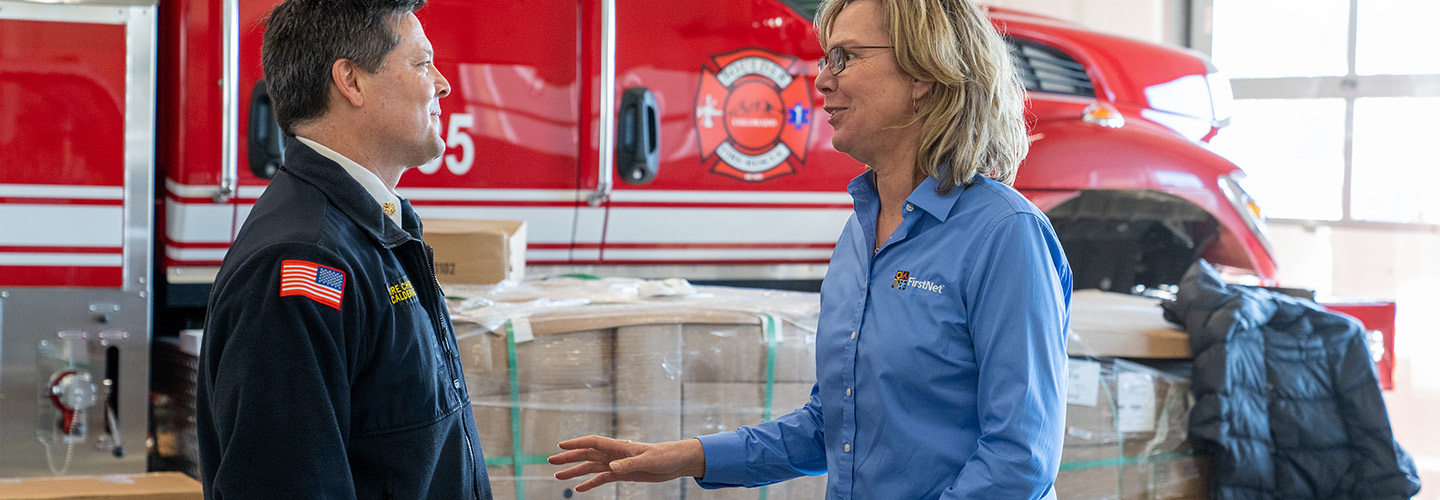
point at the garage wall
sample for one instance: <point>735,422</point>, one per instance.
<point>1160,21</point>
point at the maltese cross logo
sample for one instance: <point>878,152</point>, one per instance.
<point>752,114</point>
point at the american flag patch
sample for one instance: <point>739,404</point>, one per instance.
<point>325,285</point>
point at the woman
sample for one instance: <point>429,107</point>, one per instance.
<point>941,344</point>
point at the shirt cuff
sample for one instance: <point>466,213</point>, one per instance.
<point>724,460</point>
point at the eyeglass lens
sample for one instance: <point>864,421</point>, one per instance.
<point>835,60</point>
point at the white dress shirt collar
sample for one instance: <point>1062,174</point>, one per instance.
<point>388,200</point>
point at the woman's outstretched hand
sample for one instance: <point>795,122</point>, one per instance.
<point>616,460</point>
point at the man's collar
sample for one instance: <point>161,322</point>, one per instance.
<point>347,195</point>
<point>388,200</point>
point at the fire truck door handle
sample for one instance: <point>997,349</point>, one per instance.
<point>607,105</point>
<point>265,143</point>
<point>229,102</point>
<point>637,155</point>
<point>110,405</point>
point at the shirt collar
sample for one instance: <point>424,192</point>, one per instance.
<point>389,201</point>
<point>938,205</point>
<point>862,189</point>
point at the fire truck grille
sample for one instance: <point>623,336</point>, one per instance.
<point>1045,69</point>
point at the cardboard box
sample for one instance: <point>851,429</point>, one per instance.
<point>647,372</point>
<point>546,418</point>
<point>1127,435</point>
<point>719,407</point>
<point>569,360</point>
<point>740,353</point>
<point>153,486</point>
<point>478,252</point>
<point>539,483</point>
<point>1122,325</point>
<point>1161,478</point>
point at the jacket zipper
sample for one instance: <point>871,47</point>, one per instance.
<point>443,335</point>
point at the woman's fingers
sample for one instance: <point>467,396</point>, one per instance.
<point>592,441</point>
<point>598,480</point>
<point>581,470</point>
<point>602,456</point>
<point>582,455</point>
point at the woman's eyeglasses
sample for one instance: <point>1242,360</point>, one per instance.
<point>835,59</point>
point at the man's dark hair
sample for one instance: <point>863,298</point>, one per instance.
<point>303,38</point>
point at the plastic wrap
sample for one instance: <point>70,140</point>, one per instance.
<point>574,357</point>
<point>1126,434</point>
<point>491,306</point>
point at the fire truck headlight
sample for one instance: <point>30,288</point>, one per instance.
<point>1247,207</point>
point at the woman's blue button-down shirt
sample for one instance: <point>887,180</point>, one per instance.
<point>940,359</point>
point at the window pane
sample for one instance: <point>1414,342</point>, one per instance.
<point>1280,38</point>
<point>1293,151</point>
<point>1397,37</point>
<point>1395,170</point>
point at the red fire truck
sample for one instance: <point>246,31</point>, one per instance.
<point>634,137</point>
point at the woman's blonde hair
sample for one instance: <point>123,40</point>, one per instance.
<point>974,117</point>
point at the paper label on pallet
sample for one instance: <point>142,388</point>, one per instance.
<point>521,328</point>
<point>1135,402</point>
<point>1084,386</point>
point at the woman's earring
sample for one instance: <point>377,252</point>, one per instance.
<point>916,104</point>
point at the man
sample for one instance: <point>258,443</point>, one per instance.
<point>329,368</point>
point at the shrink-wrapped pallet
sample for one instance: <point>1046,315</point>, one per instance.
<point>545,367</point>
<point>1126,434</point>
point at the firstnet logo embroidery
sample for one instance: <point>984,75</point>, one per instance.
<point>904,281</point>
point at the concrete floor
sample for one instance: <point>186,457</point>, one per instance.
<point>1413,405</point>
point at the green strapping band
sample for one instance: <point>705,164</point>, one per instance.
<point>1115,462</point>
<point>771,337</point>
<point>518,459</point>
<point>527,460</point>
<point>770,325</point>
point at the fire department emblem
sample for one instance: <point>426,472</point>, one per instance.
<point>753,114</point>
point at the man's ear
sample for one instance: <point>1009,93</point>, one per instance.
<point>345,74</point>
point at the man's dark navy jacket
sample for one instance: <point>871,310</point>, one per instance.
<point>342,380</point>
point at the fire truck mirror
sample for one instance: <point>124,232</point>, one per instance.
<point>637,152</point>
<point>266,143</point>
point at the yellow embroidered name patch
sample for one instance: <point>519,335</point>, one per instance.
<point>401,292</point>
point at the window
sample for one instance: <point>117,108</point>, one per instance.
<point>1278,38</point>
<point>1388,42</point>
<point>1395,169</point>
<point>1322,142</point>
<point>1297,171</point>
